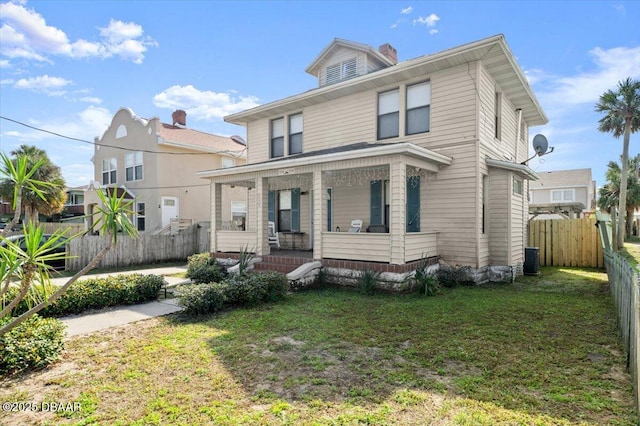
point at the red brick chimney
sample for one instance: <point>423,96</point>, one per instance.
<point>389,52</point>
<point>179,118</point>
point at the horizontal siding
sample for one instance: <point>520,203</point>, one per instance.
<point>233,241</point>
<point>345,245</point>
<point>258,141</point>
<point>499,217</point>
<point>420,244</point>
<point>351,203</point>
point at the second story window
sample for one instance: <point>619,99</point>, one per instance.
<point>418,108</point>
<point>109,171</point>
<point>133,166</point>
<point>295,134</point>
<point>228,162</point>
<point>563,195</point>
<point>140,217</point>
<point>388,114</point>
<point>277,138</point>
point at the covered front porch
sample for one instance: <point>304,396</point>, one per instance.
<point>312,199</point>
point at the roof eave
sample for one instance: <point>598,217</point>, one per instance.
<point>405,148</point>
<point>520,169</point>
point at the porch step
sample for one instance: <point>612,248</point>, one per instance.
<point>280,264</point>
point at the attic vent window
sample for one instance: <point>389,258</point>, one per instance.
<point>342,71</point>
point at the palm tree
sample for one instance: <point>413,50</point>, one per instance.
<point>622,109</point>
<point>113,218</point>
<point>54,195</point>
<point>18,176</point>
<point>609,194</point>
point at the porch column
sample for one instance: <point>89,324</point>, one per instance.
<point>398,223</point>
<point>262,216</point>
<point>216,214</point>
<point>319,211</point>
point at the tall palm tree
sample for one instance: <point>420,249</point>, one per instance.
<point>622,109</point>
<point>54,195</point>
<point>609,194</point>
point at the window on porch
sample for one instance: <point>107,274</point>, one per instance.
<point>284,209</point>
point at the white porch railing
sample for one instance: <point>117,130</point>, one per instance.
<point>420,244</point>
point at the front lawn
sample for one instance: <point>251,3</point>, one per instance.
<point>541,351</point>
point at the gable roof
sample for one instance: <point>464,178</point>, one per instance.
<point>337,43</point>
<point>563,178</point>
<point>493,51</point>
<point>200,141</point>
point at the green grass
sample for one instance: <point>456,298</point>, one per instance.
<point>631,251</point>
<point>542,351</point>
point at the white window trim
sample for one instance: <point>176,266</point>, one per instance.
<point>134,163</point>
<point>562,197</point>
<point>109,170</point>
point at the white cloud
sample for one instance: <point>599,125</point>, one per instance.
<point>611,66</point>
<point>91,100</point>
<point>25,34</point>
<point>429,21</point>
<point>203,105</point>
<point>43,83</point>
<point>407,10</point>
<point>4,63</point>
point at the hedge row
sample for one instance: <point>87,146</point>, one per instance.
<point>96,293</point>
<point>236,290</point>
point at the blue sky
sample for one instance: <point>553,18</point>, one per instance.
<point>68,66</point>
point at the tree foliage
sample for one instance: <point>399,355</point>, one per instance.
<point>53,195</point>
<point>609,194</point>
<point>622,118</point>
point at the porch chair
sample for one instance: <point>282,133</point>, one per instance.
<point>274,239</point>
<point>356,225</point>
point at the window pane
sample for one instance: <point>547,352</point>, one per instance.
<point>285,200</point>
<point>128,160</point>
<point>228,162</point>
<point>388,125</point>
<point>388,102</point>
<point>105,178</point>
<point>277,147</point>
<point>418,95</point>
<point>568,195</point>
<point>138,157</point>
<point>418,120</point>
<point>114,164</point>
<point>277,128</point>
<point>129,174</point>
<point>141,224</point>
<point>556,195</point>
<point>284,220</point>
<point>141,209</point>
<point>295,144</point>
<point>138,172</point>
<point>295,123</point>
<point>105,165</point>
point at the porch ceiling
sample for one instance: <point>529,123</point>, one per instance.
<point>427,159</point>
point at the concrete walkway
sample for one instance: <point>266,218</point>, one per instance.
<point>120,315</point>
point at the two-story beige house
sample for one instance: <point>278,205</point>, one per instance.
<point>562,194</point>
<point>426,153</point>
<point>155,164</point>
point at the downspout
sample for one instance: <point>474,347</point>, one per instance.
<point>525,223</point>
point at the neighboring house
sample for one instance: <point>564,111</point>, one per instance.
<point>426,152</point>
<point>74,206</point>
<point>155,163</point>
<point>562,194</point>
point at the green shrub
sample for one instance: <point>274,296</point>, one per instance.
<point>367,282</point>
<point>424,283</point>
<point>35,343</point>
<point>252,289</point>
<point>96,293</point>
<point>454,276</point>
<point>202,268</point>
<point>199,299</point>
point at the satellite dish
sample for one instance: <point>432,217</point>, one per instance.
<point>540,144</point>
<point>239,139</point>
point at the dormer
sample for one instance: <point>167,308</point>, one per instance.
<point>342,60</point>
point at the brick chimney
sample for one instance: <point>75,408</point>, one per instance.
<point>179,118</point>
<point>389,52</point>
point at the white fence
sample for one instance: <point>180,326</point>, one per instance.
<point>623,281</point>
<point>143,250</point>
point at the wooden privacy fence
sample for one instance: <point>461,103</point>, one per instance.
<point>567,242</point>
<point>623,282</point>
<point>143,250</point>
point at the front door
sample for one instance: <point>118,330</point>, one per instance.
<point>170,210</point>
